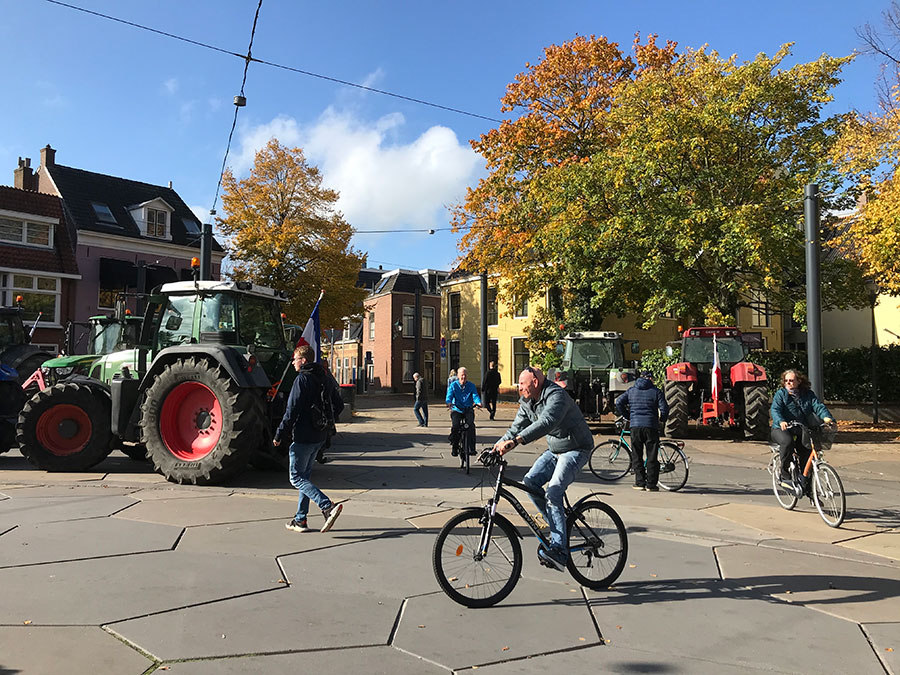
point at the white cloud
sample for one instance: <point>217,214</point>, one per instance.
<point>384,184</point>
<point>171,85</point>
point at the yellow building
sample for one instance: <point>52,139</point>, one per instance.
<point>508,330</point>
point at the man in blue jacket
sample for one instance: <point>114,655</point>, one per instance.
<point>462,399</point>
<point>648,411</point>
<point>297,425</point>
<point>545,409</point>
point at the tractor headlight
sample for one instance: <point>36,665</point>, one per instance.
<point>64,372</point>
<point>45,371</point>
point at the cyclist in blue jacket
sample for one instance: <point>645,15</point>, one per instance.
<point>648,411</point>
<point>462,399</point>
<point>794,402</point>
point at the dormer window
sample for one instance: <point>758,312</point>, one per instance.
<point>15,230</point>
<point>156,223</point>
<point>104,215</point>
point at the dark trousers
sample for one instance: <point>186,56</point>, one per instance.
<point>490,402</point>
<point>456,419</point>
<point>641,438</point>
<point>786,441</point>
<point>421,410</point>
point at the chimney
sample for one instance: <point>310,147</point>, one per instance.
<point>48,156</point>
<point>170,185</point>
<point>24,176</point>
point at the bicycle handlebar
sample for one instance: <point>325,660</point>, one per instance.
<point>489,457</point>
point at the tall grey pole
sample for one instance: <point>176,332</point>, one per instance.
<point>813,291</point>
<point>417,331</point>
<point>484,326</point>
<point>874,361</point>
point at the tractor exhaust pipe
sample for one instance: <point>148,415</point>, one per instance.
<point>206,252</point>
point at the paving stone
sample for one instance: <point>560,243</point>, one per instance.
<point>84,539</point>
<point>659,519</point>
<point>396,566</point>
<point>68,649</point>
<point>854,591</point>
<point>29,510</point>
<point>535,618</point>
<point>856,550</point>
<point>208,510</point>
<point>609,659</point>
<point>652,559</point>
<point>722,622</point>
<point>886,643</point>
<point>269,538</point>
<point>68,490</point>
<point>885,544</point>
<point>369,660</point>
<point>111,589</point>
<point>300,617</point>
<point>802,524</point>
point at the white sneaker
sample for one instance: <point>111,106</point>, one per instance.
<point>331,515</point>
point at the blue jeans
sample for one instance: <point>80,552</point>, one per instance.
<point>302,457</point>
<point>423,406</point>
<point>558,472</point>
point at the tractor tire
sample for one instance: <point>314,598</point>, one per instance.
<point>12,400</point>
<point>756,411</point>
<point>677,398</point>
<point>65,427</point>
<point>198,426</point>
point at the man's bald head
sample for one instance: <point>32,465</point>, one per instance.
<point>530,382</point>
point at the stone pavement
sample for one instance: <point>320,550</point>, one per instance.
<point>118,571</point>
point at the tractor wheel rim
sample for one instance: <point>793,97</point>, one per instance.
<point>191,421</point>
<point>64,429</point>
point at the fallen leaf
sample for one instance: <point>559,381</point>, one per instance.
<point>505,649</point>
<point>652,575</point>
<point>581,639</point>
<point>453,579</point>
<point>282,581</point>
<point>27,622</point>
<point>619,627</point>
<point>788,592</point>
<point>223,636</point>
<point>421,625</point>
<point>632,566</point>
<point>889,649</point>
<point>606,641</point>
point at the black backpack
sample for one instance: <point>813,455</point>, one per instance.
<point>321,411</point>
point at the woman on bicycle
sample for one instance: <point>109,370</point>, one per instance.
<point>794,402</point>
<point>462,398</point>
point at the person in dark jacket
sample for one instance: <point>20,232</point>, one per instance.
<point>646,408</point>
<point>420,407</point>
<point>490,388</point>
<point>794,402</point>
<point>306,440</point>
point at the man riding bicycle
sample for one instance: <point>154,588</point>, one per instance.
<point>462,399</point>
<point>545,409</point>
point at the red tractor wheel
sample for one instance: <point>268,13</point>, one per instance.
<point>197,424</point>
<point>65,427</point>
<point>677,398</point>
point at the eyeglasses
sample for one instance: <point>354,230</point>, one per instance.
<point>790,379</point>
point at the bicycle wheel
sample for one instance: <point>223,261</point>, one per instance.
<point>673,467</point>
<point>828,494</point>
<point>465,576</point>
<point>786,497</point>
<point>598,544</point>
<point>610,460</point>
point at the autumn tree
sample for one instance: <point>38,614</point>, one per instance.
<point>284,232</point>
<point>659,181</point>
<point>869,150</point>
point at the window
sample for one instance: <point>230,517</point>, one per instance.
<point>454,311</point>
<point>428,322</point>
<point>454,354</point>
<point>371,325</point>
<point>177,321</point>
<point>521,357</point>
<point>521,308</point>
<point>409,320</point>
<point>190,226</point>
<point>494,351</point>
<point>492,306</point>
<point>40,296</point>
<point>104,215</point>
<point>430,379</point>
<point>27,233</point>
<point>760,314</point>
<point>156,223</point>
<point>106,298</point>
<point>409,365</point>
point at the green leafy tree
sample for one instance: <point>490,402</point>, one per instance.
<point>284,232</point>
<point>663,181</point>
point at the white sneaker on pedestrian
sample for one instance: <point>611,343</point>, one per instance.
<point>331,514</point>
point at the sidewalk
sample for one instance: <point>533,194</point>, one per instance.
<point>119,571</point>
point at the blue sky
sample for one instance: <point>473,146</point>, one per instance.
<point>114,99</point>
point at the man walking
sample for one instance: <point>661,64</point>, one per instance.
<point>300,425</point>
<point>648,409</point>
<point>490,388</point>
<point>545,409</point>
<point>421,404</point>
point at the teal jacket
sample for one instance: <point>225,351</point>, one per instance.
<point>799,408</point>
<point>555,415</point>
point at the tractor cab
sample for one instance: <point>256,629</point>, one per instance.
<point>595,369</point>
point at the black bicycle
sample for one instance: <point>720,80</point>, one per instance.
<point>477,557</point>
<point>466,445</point>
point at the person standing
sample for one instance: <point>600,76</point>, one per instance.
<point>490,388</point>
<point>451,378</point>
<point>545,409</point>
<point>306,439</point>
<point>646,407</point>
<point>421,404</point>
<point>462,397</point>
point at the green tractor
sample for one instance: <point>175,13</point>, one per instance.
<point>596,371</point>
<point>202,391</point>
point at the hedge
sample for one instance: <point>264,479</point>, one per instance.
<point>847,372</point>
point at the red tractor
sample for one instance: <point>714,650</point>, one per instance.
<point>736,396</point>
